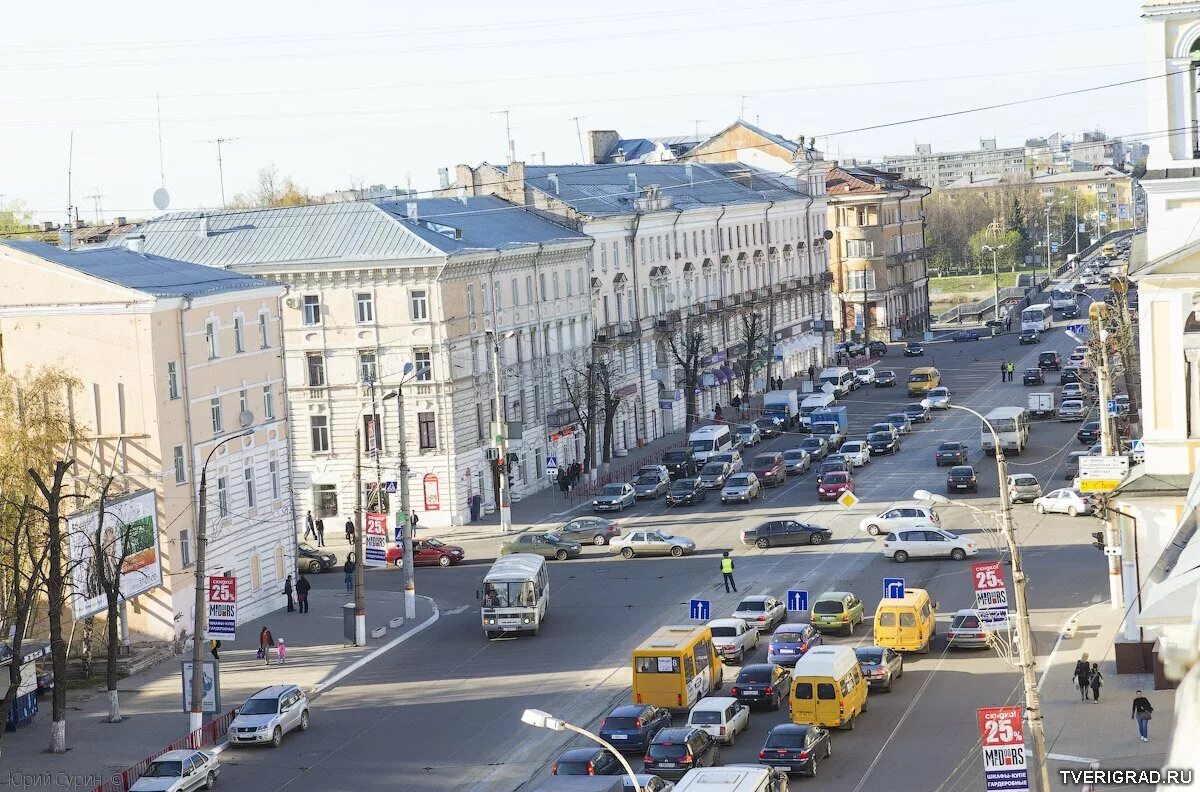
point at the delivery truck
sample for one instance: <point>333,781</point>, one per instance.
<point>830,423</point>
<point>1041,405</point>
<point>782,404</point>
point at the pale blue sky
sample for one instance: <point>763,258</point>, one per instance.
<point>387,91</point>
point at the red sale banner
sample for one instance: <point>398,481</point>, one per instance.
<point>1005,768</point>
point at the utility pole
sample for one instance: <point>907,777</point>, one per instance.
<point>995,250</point>
<point>406,534</point>
<point>221,164</point>
<point>1049,272</point>
<point>696,122</point>
<point>1098,313</point>
<point>500,436</point>
<point>510,148</point>
<point>1076,218</point>
<point>579,134</point>
<point>360,605</point>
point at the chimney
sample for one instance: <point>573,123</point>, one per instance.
<point>514,182</point>
<point>118,222</point>
<point>462,195</point>
<point>411,210</point>
<point>443,177</point>
<point>553,179</point>
<point>465,177</point>
<point>136,243</point>
<point>79,223</point>
<point>203,226</point>
<point>619,156</point>
<point>634,183</point>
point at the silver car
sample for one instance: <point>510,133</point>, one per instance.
<point>761,611</point>
<point>179,771</point>
<point>646,543</point>
<point>1072,410</point>
<point>651,485</point>
<point>268,715</point>
<point>939,398</point>
<point>732,457</point>
<point>742,488</point>
<point>713,475</point>
<point>797,461</point>
<point>1023,487</point>
<point>614,497</point>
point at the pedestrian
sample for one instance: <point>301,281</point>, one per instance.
<point>213,648</point>
<point>302,588</point>
<point>564,481</point>
<point>320,532</point>
<point>350,530</point>
<point>1003,371</point>
<point>265,642</point>
<point>736,401</point>
<point>412,519</point>
<point>1008,322</point>
<point>717,411</point>
<point>1096,681</point>
<point>287,592</point>
<point>1012,368</point>
<point>1142,710</point>
<point>280,651</point>
<point>1082,676</point>
<point>309,526</point>
<point>727,572</point>
<point>349,568</point>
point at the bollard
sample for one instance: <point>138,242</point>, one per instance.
<point>396,622</point>
<point>379,632</point>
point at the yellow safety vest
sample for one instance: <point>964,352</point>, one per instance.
<point>727,566</point>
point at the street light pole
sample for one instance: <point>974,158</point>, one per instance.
<point>406,537</point>
<point>1098,313</point>
<point>544,720</point>
<point>996,274</point>
<point>500,435</point>
<point>360,593</point>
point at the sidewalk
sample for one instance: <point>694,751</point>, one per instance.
<point>152,701</point>
<point>1104,730</point>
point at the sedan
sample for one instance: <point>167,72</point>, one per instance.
<point>614,497</point>
<point>884,426</point>
<point>741,488</point>
<point>769,427</point>
<point>769,468</point>
<point>1088,433</point>
<point>961,477</point>
<point>647,543</point>
<point>880,666</point>
<point>774,533</point>
<point>883,442</point>
<point>732,457</point>
<point>834,485</point>
<point>713,475</point>
<point>1068,375</point>
<point>913,349</point>
<point>1070,312</point>
<point>1033,376</point>
<point>966,335</point>
<point>1031,336</point>
<point>587,762</point>
<point>1071,410</point>
<point>1073,390</point>
<point>816,447</point>
<point>314,560</point>
<point>791,641</point>
<point>547,545</point>
<point>796,748</point>
<point>966,631</point>
<point>650,485</point>
<point>749,434</point>
<point>951,453</point>
<point>686,491</point>
<point>856,452</point>
<point>631,727</point>
<point>1064,501</point>
<point>832,464</point>
<point>876,348</point>
<point>761,611</point>
<point>901,421</point>
<point>918,412</point>
<point>733,639</point>
<point>865,375</point>
<point>762,683</point>
<point>797,461</point>
<point>1080,288</point>
<point>885,379</point>
<point>428,552</point>
<point>179,771</point>
<point>939,398</point>
<point>593,530</point>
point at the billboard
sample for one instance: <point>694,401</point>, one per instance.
<point>132,516</point>
<point>375,539</point>
<point>1005,767</point>
<point>222,608</point>
<point>991,597</point>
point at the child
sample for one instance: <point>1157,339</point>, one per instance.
<point>1096,681</point>
<point>280,651</point>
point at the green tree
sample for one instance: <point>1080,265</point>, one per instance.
<point>1005,258</point>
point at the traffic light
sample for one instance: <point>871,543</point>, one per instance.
<point>1098,540</point>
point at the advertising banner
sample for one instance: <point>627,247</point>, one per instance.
<point>375,539</point>
<point>131,520</point>
<point>222,608</point>
<point>991,597</point>
<point>433,497</point>
<point>212,686</point>
<point>1003,740</point>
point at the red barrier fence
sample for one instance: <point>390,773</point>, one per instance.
<point>206,735</point>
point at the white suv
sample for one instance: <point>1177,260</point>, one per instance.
<point>905,516</point>
<point>269,714</point>
<point>926,541</point>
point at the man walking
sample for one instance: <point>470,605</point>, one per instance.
<point>1004,371</point>
<point>320,532</point>
<point>727,572</point>
<point>1012,368</point>
<point>309,527</point>
<point>1142,710</point>
<point>349,530</point>
<point>302,589</point>
<point>287,592</point>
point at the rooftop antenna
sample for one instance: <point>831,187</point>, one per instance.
<point>96,206</point>
<point>579,135</point>
<point>161,198</point>
<point>696,124</point>
<point>221,164</point>
<point>742,111</point>
<point>67,236</point>
<point>512,152</point>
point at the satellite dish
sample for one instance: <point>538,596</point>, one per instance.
<point>245,418</point>
<point>828,234</point>
<point>162,199</point>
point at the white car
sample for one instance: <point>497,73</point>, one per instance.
<point>927,541</point>
<point>865,375</point>
<point>732,457</point>
<point>733,639</point>
<point>1072,410</point>
<point>268,715</point>
<point>856,453</point>
<point>761,611</point>
<point>1064,501</point>
<point>939,398</point>
<point>723,717</point>
<point>179,771</point>
<point>1073,390</point>
<point>904,516</point>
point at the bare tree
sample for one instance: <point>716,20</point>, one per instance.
<point>581,392</point>
<point>54,495</point>
<point>23,565</point>
<point>753,333</point>
<point>272,190</point>
<point>609,401</point>
<point>109,549</point>
<point>685,349</point>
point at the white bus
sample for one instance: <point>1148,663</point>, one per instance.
<point>515,594</point>
<point>1012,427</point>
<point>1062,298</point>
<point>1037,317</point>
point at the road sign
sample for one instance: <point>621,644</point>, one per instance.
<point>551,466</point>
<point>991,596</point>
<point>391,487</point>
<point>1004,764</point>
<point>848,499</point>
<point>1077,329</point>
<point>797,600</point>
<point>222,608</point>
<point>699,609</point>
<point>1098,485</point>
<point>893,588</point>
<point>1113,407</point>
<point>1104,467</point>
<point>1137,447</point>
<point>375,540</point>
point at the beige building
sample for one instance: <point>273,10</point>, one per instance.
<point>169,356</point>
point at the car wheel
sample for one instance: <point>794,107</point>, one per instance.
<point>626,552</point>
<point>676,552</point>
<point>599,541</point>
<point>1039,508</point>
<point>763,543</point>
<point>958,554</point>
<point>873,530</point>
<point>815,539</point>
<point>888,687</point>
<point>732,738</point>
<point>812,767</point>
<point>443,561</point>
<point>1072,511</point>
<point>304,721</point>
<point>277,737</point>
<point>850,725</point>
<point>210,780</point>
<point>900,557</point>
<point>561,555</point>
<point>900,673</point>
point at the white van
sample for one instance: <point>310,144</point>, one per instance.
<point>840,377</point>
<point>817,401</point>
<point>709,440</point>
<point>733,778</point>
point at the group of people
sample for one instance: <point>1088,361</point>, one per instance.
<point>267,642</point>
<point>316,528</point>
<point>1087,677</point>
<point>1007,370</point>
<point>569,476</point>
<point>301,591</point>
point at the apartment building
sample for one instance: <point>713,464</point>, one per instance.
<point>1115,192</point>
<point>173,359</point>
<point>388,297</point>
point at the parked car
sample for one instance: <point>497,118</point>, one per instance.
<point>837,610</point>
<point>927,542</point>
<point>593,761</point>
<point>832,464</point>
<point>880,666</point>
<point>939,398</point>
<point>769,468</point>
<point>796,748</point>
<point>733,639</point>
<point>851,348</point>
<point>1023,488</point>
<point>676,750</point>
<point>1048,360</point>
<point>885,379</point>
<point>816,447</point>
<point>901,421</point>
<point>797,461</point>
<point>651,542</point>
<point>750,434</point>
<point>774,533</point>
<point>883,442</point>
<point>769,427</point>
<point>631,727</point>
<point>856,452</point>
<point>908,515</point>
<point>179,771</point>
<point>762,683</point>
<point>876,348</point>
<point>791,641</point>
<point>723,717</point>
<point>961,477</point>
<point>547,545</point>
<point>650,485</point>
<point>268,715</point>
<point>865,375</point>
<point>314,560</point>
<point>614,497</point>
<point>951,453</point>
<point>917,412</point>
<point>732,457</point>
<point>1071,410</point>
<point>741,488</point>
<point>834,484</point>
<point>1031,336</point>
<point>1033,376</point>
<point>427,552</point>
<point>966,335</point>
<point>913,349</point>
<point>594,530</point>
<point>966,631</point>
<point>761,611</point>
<point>1089,433</point>
<point>1064,501</point>
<point>686,491</point>
<point>681,463</point>
<point>714,474</point>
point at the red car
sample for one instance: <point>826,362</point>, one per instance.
<point>834,484</point>
<point>428,552</point>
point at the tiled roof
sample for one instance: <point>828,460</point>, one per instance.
<point>153,275</point>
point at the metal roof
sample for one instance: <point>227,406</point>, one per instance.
<point>150,274</point>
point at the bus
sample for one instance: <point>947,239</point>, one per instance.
<point>1011,425</point>
<point>1061,298</point>
<point>515,595</point>
<point>1037,317</point>
<point>676,667</point>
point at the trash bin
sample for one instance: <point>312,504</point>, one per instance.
<point>348,622</point>
<point>476,502</point>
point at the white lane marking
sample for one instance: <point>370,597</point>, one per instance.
<point>457,610</point>
<point>1062,633</point>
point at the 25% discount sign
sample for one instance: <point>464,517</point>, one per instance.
<point>222,608</point>
<point>1003,741</point>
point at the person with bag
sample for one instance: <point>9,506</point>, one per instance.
<point>1142,710</point>
<point>1082,677</point>
<point>266,642</point>
<point>349,568</point>
<point>1097,679</point>
<point>214,647</point>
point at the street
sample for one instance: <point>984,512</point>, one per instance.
<point>443,712</point>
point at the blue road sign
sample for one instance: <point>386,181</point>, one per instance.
<point>1112,407</point>
<point>391,487</point>
<point>551,466</point>
<point>1077,329</point>
<point>1137,446</point>
<point>893,588</point>
<point>797,600</point>
<point>699,609</point>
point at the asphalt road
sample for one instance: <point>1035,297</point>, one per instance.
<point>443,711</point>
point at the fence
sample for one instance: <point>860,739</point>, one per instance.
<point>208,734</point>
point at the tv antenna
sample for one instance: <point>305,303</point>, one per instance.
<point>161,198</point>
<point>512,153</point>
<point>579,134</point>
<point>96,206</point>
<point>221,165</point>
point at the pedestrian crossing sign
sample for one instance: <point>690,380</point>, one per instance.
<point>848,499</point>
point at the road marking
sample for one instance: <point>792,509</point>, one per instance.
<point>1068,625</point>
<point>457,610</point>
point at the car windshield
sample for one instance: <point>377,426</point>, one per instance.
<point>701,445</point>
<point>739,480</point>
<point>938,392</point>
<point>897,418</point>
<point>705,718</point>
<point>763,461</point>
<point>948,447</point>
<point>794,456</point>
<point>1024,480</point>
<point>870,656</point>
<point>914,408</point>
<point>684,485</point>
<point>675,456</point>
<point>753,606</point>
<point>727,458</point>
<point>812,442</point>
<point>919,378</point>
<point>962,471</point>
<point>167,769</point>
<point>888,374</point>
<point>647,480</point>
<point>851,448</point>
<point>879,437</point>
<point>863,371</point>
<point>827,606</point>
<point>787,739</point>
<point>760,673</point>
<point>786,637</point>
<point>260,706</point>
<point>572,768</point>
<point>966,621</point>
<point>614,489</point>
<point>713,469</point>
<point>744,430</point>
<point>505,595</point>
<point>434,543</point>
<point>836,478</point>
<point>724,632</point>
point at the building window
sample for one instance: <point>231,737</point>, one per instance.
<point>279,570</point>
<point>316,369</point>
<point>516,292</point>
<point>497,296</point>
<point>859,280</point>
<point>418,301</point>
<point>426,430</point>
<point>487,303</point>
<point>542,286</point>
<point>423,365</point>
<point>239,334</point>
<point>215,409</point>
<point>222,496</point>
<point>268,402</point>
<point>367,370</point>
<point>324,500</point>
<point>479,420</point>
<point>210,338</point>
<point>185,547</point>
<point>470,300</point>
<point>364,308</point>
<point>173,380</point>
<point>255,573</point>
<point>372,433</point>
<point>242,404</point>
<point>312,309</point>
<point>180,468</point>
<point>251,495</point>
<point>274,470</point>
<point>554,284</point>
<point>570,285</point>
<point>860,248</point>
<point>319,433</point>
<point>264,340</point>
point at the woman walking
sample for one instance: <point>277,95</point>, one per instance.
<point>1083,676</point>
<point>266,642</point>
<point>1142,710</point>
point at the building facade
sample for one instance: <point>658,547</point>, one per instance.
<point>385,298</point>
<point>1115,192</point>
<point>173,359</point>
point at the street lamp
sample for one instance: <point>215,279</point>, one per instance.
<point>199,619</point>
<point>1027,661</point>
<point>410,577</point>
<point>544,720</point>
<point>995,249</point>
<point>500,431</point>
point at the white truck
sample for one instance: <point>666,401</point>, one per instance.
<point>782,404</point>
<point>1041,405</point>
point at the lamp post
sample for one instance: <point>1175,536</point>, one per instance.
<point>500,431</point>
<point>200,619</point>
<point>1049,273</point>
<point>406,548</point>
<point>544,720</point>
<point>1027,662</point>
<point>994,250</point>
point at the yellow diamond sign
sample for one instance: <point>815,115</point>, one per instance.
<point>848,499</point>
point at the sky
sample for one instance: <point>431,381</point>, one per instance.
<point>387,92</point>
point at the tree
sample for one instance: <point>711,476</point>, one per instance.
<point>1004,258</point>
<point>581,392</point>
<point>609,402</point>
<point>270,190</point>
<point>685,349</point>
<point>109,548</point>
<point>753,334</point>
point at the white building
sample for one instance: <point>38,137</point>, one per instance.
<point>375,286</point>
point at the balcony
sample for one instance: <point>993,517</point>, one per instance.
<point>894,259</point>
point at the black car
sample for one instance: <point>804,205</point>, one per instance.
<point>816,447</point>
<point>885,379</point>
<point>1049,361</point>
<point>775,533</point>
<point>918,412</point>
<point>769,427</point>
<point>1068,375</point>
<point>1089,433</point>
<point>962,477</point>
<point>674,751</point>
<point>851,348</point>
<point>631,727</point>
<point>913,349</point>
<point>1033,376</point>
<point>877,348</point>
<point>1031,336</point>
<point>952,454</point>
<point>681,462</point>
<point>587,762</point>
<point>966,335</point>
<point>687,491</point>
<point>1079,288</point>
<point>762,683</point>
<point>1070,312</point>
<point>314,560</point>
<point>883,442</point>
<point>796,748</point>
